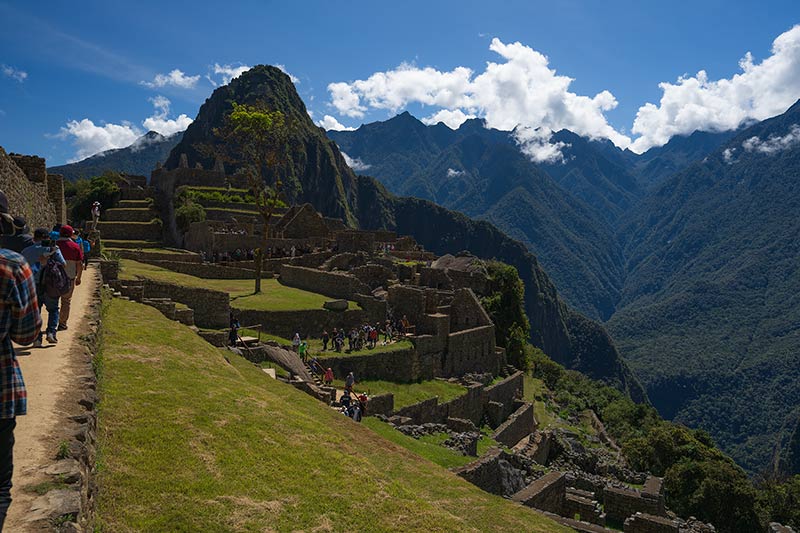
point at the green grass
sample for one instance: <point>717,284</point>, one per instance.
<point>315,345</point>
<point>410,393</point>
<point>188,442</point>
<point>273,296</point>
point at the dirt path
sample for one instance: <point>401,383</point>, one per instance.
<point>50,376</point>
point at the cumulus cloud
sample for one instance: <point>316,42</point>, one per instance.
<point>774,143</point>
<point>175,78</point>
<point>90,138</point>
<point>225,73</point>
<point>356,164</point>
<point>728,155</point>
<point>452,173</point>
<point>330,123</point>
<point>535,143</point>
<point>292,77</point>
<point>521,90</point>
<point>760,91</point>
<point>13,73</point>
<point>452,118</point>
<point>160,122</point>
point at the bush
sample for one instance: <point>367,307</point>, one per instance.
<point>83,193</point>
<point>187,214</point>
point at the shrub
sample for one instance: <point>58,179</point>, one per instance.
<point>187,214</point>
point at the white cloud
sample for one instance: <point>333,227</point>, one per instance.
<point>535,143</point>
<point>330,123</point>
<point>90,138</point>
<point>695,103</point>
<point>13,73</point>
<point>292,77</point>
<point>453,119</point>
<point>519,91</point>
<point>356,164</point>
<point>728,155</point>
<point>159,121</point>
<point>226,73</point>
<point>452,173</point>
<point>175,78</point>
<point>774,143</point>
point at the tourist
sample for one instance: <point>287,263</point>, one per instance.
<point>293,251</point>
<point>233,335</point>
<point>296,342</point>
<point>302,349</point>
<point>51,280</point>
<point>18,236</point>
<point>19,322</point>
<point>95,214</point>
<point>349,381</point>
<point>328,378</point>
<point>73,255</point>
<point>345,400</point>
<point>325,339</point>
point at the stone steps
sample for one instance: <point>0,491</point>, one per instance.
<point>140,231</point>
<point>135,193</point>
<point>130,214</point>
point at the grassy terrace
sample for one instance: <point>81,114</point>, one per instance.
<point>273,296</point>
<point>188,442</point>
<point>315,345</point>
<point>410,393</point>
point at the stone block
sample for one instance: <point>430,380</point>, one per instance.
<point>336,305</point>
<point>548,493</point>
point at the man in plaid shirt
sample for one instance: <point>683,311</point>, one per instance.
<point>19,322</point>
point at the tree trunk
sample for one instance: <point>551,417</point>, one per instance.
<point>259,263</point>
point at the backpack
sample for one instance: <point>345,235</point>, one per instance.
<point>55,279</point>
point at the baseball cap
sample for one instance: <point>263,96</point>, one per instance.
<point>66,231</point>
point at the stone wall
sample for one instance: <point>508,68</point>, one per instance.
<point>355,241</point>
<point>55,193</point>
<point>398,365</point>
<point>471,350</point>
<point>619,504</point>
<point>494,472</point>
<point>333,284</point>
<point>130,231</point>
<point>466,311</point>
<point>203,270</point>
<point>380,404</point>
<point>373,275</point>
<point>27,189</point>
<point>143,256</point>
<point>519,425</point>
<point>647,523</point>
<point>211,308</point>
<point>301,222</point>
<point>546,493</point>
<point>309,323</point>
<point>505,392</point>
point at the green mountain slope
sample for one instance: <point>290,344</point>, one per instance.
<point>710,312</point>
<point>321,177</point>
<point>562,212</point>
<point>190,442</point>
<point>139,158</point>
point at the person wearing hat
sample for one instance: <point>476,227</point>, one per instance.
<point>95,214</point>
<point>73,255</point>
<point>20,238</point>
<point>38,255</point>
<point>19,322</point>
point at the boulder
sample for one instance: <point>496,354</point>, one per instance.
<point>336,305</point>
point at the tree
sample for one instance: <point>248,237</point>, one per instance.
<point>257,141</point>
<point>506,307</point>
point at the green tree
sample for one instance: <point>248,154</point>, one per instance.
<point>257,141</point>
<point>83,193</point>
<point>506,307</point>
<point>189,213</point>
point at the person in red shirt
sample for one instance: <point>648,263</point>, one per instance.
<point>73,255</point>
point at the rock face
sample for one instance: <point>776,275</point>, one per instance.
<point>321,177</point>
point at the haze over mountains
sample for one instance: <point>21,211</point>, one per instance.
<point>688,251</point>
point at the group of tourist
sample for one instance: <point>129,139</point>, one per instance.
<point>39,269</point>
<point>366,336</point>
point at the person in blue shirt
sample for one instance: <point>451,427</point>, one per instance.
<point>37,255</point>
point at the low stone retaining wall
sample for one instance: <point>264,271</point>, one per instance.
<point>203,270</point>
<point>546,493</point>
<point>504,393</point>
<point>211,308</point>
<point>619,504</point>
<point>132,231</point>
<point>146,256</point>
<point>519,425</point>
<point>391,366</point>
<point>647,523</point>
<point>333,284</point>
<point>494,472</point>
<point>309,323</point>
<point>380,404</point>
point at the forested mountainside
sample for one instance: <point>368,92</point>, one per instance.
<point>690,253</point>
<point>710,312</point>
<point>482,173</point>
<point>317,173</point>
<point>140,158</point>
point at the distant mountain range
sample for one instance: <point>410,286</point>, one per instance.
<point>139,158</point>
<point>689,251</point>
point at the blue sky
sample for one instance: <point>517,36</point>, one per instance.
<point>61,63</point>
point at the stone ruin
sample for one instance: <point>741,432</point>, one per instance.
<point>32,192</point>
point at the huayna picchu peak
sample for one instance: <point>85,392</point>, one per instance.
<point>326,267</point>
